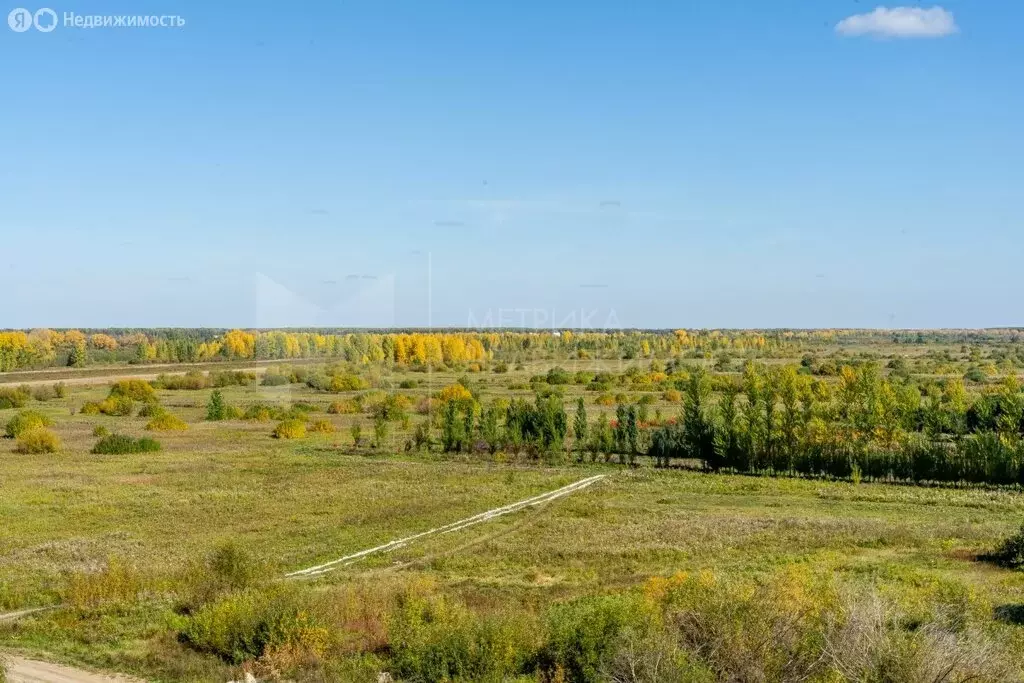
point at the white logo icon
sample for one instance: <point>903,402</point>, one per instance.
<point>45,20</point>
<point>20,20</point>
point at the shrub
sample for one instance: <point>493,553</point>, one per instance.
<point>121,406</point>
<point>37,440</point>
<point>290,429</point>
<point>166,422</point>
<point>344,407</point>
<point>230,378</point>
<point>672,396</point>
<point>582,634</point>
<point>347,382</point>
<point>60,390</point>
<point>116,585</point>
<point>408,384</point>
<point>151,409</point>
<point>500,367</point>
<point>100,430</point>
<point>116,444</point>
<point>260,412</point>
<point>273,379</point>
<point>1010,553</point>
<point>434,639</point>
<point>605,400</point>
<point>43,393</point>
<point>228,567</point>
<point>322,427</point>
<point>24,421</point>
<point>13,398</point>
<point>247,624</point>
<point>134,389</point>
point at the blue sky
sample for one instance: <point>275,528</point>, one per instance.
<point>710,163</point>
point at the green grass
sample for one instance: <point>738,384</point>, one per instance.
<point>299,503</point>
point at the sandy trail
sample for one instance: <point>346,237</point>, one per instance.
<point>21,670</point>
<point>447,528</point>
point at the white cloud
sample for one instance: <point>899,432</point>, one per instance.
<point>900,22</point>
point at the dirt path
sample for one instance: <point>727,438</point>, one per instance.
<point>21,670</point>
<point>447,528</point>
<point>127,374</point>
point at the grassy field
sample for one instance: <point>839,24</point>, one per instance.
<point>117,544</point>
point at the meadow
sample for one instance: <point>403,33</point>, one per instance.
<point>168,564</point>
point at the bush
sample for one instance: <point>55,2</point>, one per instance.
<point>100,430</point>
<point>24,421</point>
<point>232,378</point>
<point>166,422</point>
<point>344,407</point>
<point>1010,553</point>
<point>672,396</point>
<point>119,406</point>
<point>501,367</point>
<point>43,393</point>
<point>248,624</point>
<point>37,440</point>
<point>60,390</point>
<point>322,427</point>
<point>408,384</point>
<point>228,567</point>
<point>13,398</point>
<point>134,389</point>
<point>116,444</point>
<point>151,409</point>
<point>260,412</point>
<point>290,429</point>
<point>582,634</point>
<point>272,379</point>
<point>434,639</point>
<point>116,585</point>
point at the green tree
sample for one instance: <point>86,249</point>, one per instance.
<point>216,409</point>
<point>579,427</point>
<point>78,356</point>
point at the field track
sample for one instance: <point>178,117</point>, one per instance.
<point>447,528</point>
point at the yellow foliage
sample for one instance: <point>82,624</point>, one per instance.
<point>454,392</point>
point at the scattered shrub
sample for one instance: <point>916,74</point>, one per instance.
<point>100,430</point>
<point>60,390</point>
<point>454,392</point>
<point>346,406</point>
<point>231,378</point>
<point>117,585</point>
<point>13,398</point>
<point>247,624</point>
<point>116,444</point>
<point>672,396</point>
<point>43,393</point>
<point>134,389</point>
<point>273,379</point>
<point>166,422</point>
<point>322,427</point>
<point>228,567</point>
<point>119,406</point>
<point>151,409</point>
<point>290,429</point>
<point>260,412</point>
<point>24,421</point>
<point>37,440</point>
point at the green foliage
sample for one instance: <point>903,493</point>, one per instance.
<point>247,624</point>
<point>216,408</point>
<point>117,406</point>
<point>231,378</point>
<point>25,420</point>
<point>1010,553</point>
<point>37,440</point>
<point>116,444</point>
<point>13,398</point>
<point>583,634</point>
<point>100,430</point>
<point>435,639</point>
<point>346,406</point>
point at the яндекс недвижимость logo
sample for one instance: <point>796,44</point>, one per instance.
<point>21,19</point>
<point>45,20</point>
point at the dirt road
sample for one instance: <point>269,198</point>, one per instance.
<point>448,528</point>
<point>21,670</point>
